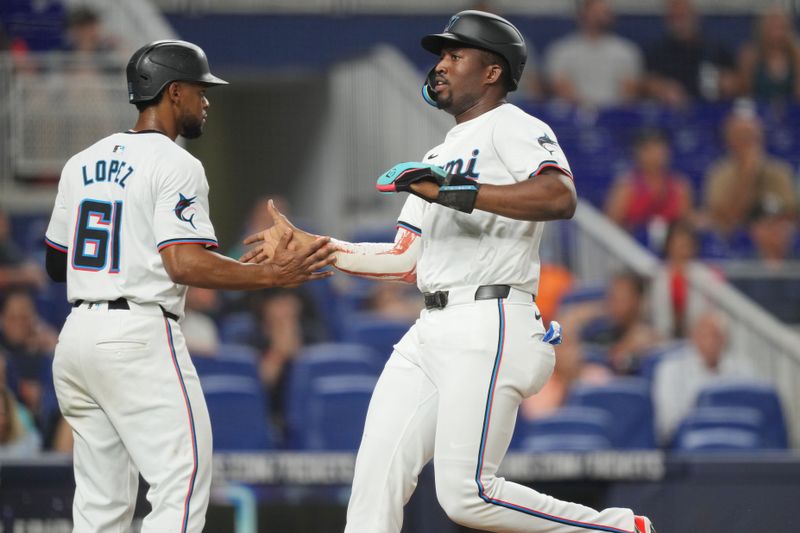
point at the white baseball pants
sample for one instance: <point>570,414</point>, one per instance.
<point>450,392</point>
<point>127,387</point>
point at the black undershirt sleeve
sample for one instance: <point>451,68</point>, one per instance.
<point>56,264</point>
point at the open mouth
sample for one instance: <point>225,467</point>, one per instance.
<point>439,84</point>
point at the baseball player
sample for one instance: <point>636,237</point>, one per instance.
<point>129,231</point>
<point>469,235</point>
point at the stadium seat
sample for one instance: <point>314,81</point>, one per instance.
<point>750,394</point>
<point>702,418</point>
<point>319,361</point>
<point>378,333</point>
<point>336,410</point>
<point>238,328</point>
<point>583,294</point>
<point>570,429</point>
<point>717,439</point>
<point>649,361</point>
<point>238,408</point>
<point>628,402</point>
<point>231,359</point>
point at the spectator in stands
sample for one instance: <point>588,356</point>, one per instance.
<point>620,326</point>
<point>744,177</point>
<point>198,324</point>
<point>594,67</point>
<point>680,377</point>
<point>773,230</point>
<point>18,436</point>
<point>568,369</point>
<point>395,301</point>
<point>769,66</point>
<point>775,245</point>
<point>15,269</point>
<point>554,282</point>
<point>530,85</point>
<point>85,32</point>
<point>674,305</point>
<point>652,195</point>
<point>286,324</point>
<point>684,65</point>
<point>29,344</point>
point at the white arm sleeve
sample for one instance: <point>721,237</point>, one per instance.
<point>395,261</point>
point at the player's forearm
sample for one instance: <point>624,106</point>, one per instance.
<point>548,196</point>
<point>206,269</point>
<point>395,261</point>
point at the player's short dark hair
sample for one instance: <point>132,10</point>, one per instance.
<point>492,58</point>
<point>141,106</point>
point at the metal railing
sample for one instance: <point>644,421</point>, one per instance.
<point>595,249</point>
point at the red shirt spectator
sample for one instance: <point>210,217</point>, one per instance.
<point>652,191</point>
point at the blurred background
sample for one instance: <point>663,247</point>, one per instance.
<point>677,388</point>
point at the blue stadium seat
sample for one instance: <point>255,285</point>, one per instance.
<point>319,361</point>
<point>378,333</point>
<point>238,328</point>
<point>238,408</point>
<point>584,293</point>
<point>649,362</point>
<point>717,439</point>
<point>231,359</point>
<point>737,418</point>
<point>328,302</point>
<point>628,402</point>
<point>336,410</point>
<point>750,394</point>
<point>570,429</point>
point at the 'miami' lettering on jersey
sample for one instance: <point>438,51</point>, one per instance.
<point>114,170</point>
<point>456,166</point>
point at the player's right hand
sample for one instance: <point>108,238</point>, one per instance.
<point>292,266</point>
<point>266,240</point>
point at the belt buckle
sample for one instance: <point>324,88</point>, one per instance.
<point>436,300</point>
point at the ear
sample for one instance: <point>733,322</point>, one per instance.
<point>174,90</point>
<point>493,74</point>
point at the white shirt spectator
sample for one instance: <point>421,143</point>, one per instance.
<point>597,67</point>
<point>678,381</point>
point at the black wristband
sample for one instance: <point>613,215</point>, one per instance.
<point>458,193</point>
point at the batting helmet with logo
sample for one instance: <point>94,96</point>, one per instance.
<point>155,65</point>
<point>478,29</point>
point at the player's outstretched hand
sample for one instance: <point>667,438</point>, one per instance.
<point>292,266</point>
<point>266,240</point>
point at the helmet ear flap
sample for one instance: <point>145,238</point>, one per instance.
<point>428,92</point>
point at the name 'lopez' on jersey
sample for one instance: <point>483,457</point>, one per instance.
<point>111,171</point>
<point>115,211</point>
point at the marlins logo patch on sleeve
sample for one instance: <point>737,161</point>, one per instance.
<point>547,143</point>
<point>184,210</point>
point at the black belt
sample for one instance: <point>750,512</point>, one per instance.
<point>438,299</point>
<point>122,304</point>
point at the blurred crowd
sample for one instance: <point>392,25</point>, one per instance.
<point>746,207</point>
<point>592,66</point>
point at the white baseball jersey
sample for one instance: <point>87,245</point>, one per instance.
<point>452,387</point>
<point>123,377</point>
<point>120,202</point>
<point>500,147</point>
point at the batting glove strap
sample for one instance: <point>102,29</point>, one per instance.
<point>458,192</point>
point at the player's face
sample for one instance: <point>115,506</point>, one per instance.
<point>193,110</point>
<point>460,74</point>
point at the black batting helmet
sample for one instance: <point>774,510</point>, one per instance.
<point>155,65</point>
<point>483,30</point>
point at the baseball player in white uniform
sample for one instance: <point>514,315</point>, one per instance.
<point>129,231</point>
<point>469,235</point>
